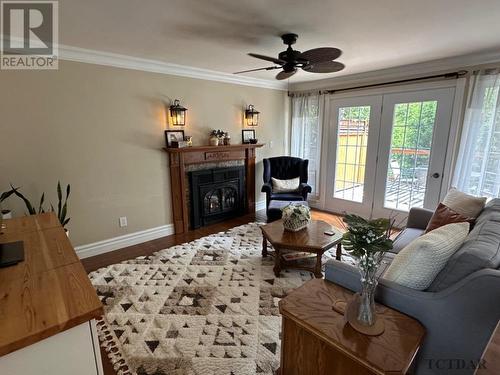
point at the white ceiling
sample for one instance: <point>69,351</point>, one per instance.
<point>217,34</point>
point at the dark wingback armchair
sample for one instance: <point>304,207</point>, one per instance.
<point>285,168</point>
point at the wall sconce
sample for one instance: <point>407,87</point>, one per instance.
<point>178,113</point>
<point>252,116</point>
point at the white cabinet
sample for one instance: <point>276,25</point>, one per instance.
<point>71,352</point>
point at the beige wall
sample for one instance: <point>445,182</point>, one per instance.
<point>101,130</point>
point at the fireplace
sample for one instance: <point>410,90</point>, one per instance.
<point>181,162</point>
<point>216,194</point>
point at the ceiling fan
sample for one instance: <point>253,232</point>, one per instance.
<point>316,60</point>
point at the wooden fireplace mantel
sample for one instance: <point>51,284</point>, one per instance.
<point>180,157</point>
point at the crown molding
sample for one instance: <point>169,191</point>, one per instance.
<point>401,72</point>
<point>90,56</point>
<point>70,53</point>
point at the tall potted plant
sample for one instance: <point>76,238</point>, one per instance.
<point>62,205</point>
<point>5,213</point>
<point>367,241</point>
<point>216,137</point>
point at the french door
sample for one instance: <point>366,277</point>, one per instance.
<point>387,152</point>
<point>355,125</point>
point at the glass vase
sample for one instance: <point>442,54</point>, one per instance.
<point>368,266</point>
<point>366,308</point>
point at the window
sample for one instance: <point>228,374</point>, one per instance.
<point>478,165</point>
<point>409,158</point>
<point>352,140</point>
<point>306,134</point>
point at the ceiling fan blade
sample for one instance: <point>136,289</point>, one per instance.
<point>267,58</point>
<point>255,70</point>
<point>324,67</point>
<point>320,54</point>
<point>284,75</point>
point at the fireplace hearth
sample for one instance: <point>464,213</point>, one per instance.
<point>216,195</point>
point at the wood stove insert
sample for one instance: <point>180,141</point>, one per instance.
<point>216,195</point>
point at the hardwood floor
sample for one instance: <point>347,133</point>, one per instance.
<point>147,248</point>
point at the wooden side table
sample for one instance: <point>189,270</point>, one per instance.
<point>317,341</point>
<point>311,239</point>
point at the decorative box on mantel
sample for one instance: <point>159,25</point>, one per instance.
<point>181,157</point>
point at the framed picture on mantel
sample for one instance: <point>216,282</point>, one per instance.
<point>247,135</point>
<point>173,136</point>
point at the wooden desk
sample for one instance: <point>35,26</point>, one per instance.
<point>43,296</point>
<point>316,340</point>
<point>490,361</point>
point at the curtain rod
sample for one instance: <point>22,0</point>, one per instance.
<point>452,75</point>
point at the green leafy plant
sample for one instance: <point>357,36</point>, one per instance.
<point>29,207</point>
<point>62,206</point>
<point>217,133</point>
<point>367,237</point>
<point>62,209</point>
<point>3,197</point>
<point>296,212</point>
<point>6,194</point>
<point>368,241</point>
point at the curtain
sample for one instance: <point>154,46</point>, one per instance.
<point>307,118</point>
<point>477,169</point>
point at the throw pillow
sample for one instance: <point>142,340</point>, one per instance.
<point>445,215</point>
<point>418,264</point>
<point>465,204</point>
<point>285,186</point>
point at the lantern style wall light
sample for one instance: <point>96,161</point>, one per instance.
<point>252,116</point>
<point>178,113</point>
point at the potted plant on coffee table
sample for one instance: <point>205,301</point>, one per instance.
<point>296,217</point>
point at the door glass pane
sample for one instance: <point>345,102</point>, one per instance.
<point>352,138</point>
<point>412,128</point>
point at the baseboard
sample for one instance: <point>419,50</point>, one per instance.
<point>120,242</point>
<point>260,205</point>
<point>111,244</point>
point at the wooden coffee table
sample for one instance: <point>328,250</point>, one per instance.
<point>311,239</point>
<point>316,339</point>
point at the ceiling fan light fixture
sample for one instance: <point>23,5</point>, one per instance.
<point>316,60</point>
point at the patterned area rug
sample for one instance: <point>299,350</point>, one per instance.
<point>205,307</point>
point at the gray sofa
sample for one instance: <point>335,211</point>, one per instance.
<point>461,307</point>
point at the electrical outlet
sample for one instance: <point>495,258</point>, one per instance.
<point>123,221</point>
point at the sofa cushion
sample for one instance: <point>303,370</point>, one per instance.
<point>465,204</point>
<point>405,237</point>
<point>445,215</point>
<point>417,264</point>
<point>491,211</point>
<point>481,249</point>
<point>285,186</point>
